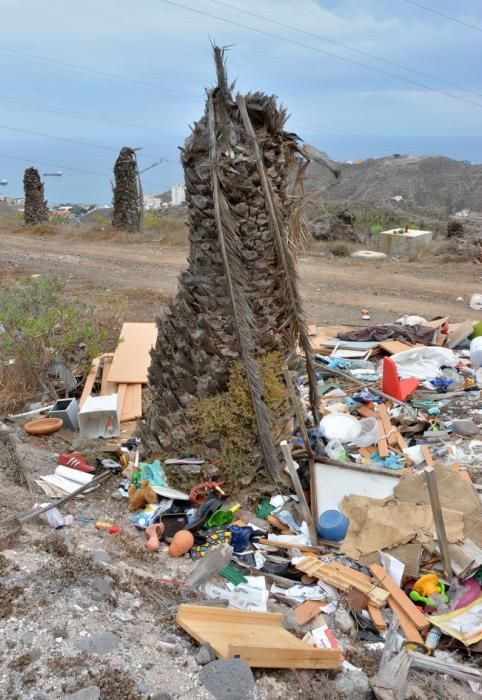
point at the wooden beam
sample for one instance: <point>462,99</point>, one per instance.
<point>293,472</point>
<point>414,613</point>
<point>296,405</point>
<point>431,478</point>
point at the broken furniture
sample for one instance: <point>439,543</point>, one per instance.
<point>256,637</point>
<point>393,385</point>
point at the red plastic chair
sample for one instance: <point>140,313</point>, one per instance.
<point>393,385</point>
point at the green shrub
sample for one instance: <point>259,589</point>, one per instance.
<point>41,328</point>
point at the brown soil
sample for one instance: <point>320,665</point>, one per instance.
<point>143,274</point>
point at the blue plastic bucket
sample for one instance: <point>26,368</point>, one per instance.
<point>332,525</point>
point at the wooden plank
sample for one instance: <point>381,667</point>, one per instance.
<point>365,412</point>
<point>343,581</point>
<point>130,401</point>
<point>388,429</point>
<point>394,346</point>
<point>307,611</point>
<point>443,544</point>
<point>401,440</point>
<point>296,405</point>
<point>425,449</point>
<point>273,520</point>
<point>293,472</point>
<point>462,672</point>
<point>408,628</point>
<point>414,613</point>
<point>382,443</point>
<point>90,381</point>
<point>376,617</point>
<point>288,545</point>
<point>107,388</point>
<point>256,637</point>
<point>132,356</point>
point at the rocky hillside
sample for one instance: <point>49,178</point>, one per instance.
<point>432,182</point>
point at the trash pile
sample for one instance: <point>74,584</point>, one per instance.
<point>374,535</point>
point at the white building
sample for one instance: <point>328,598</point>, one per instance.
<point>151,201</point>
<point>178,195</point>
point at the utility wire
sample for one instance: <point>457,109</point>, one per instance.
<point>78,143</point>
<point>89,117</point>
<point>442,14</point>
<point>103,74</point>
<point>322,51</point>
<point>345,46</point>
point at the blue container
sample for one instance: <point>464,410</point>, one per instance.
<point>332,525</point>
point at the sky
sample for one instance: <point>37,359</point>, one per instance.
<point>81,79</point>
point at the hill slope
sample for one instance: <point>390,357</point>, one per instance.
<point>432,182</point>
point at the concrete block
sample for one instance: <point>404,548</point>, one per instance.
<point>397,241</point>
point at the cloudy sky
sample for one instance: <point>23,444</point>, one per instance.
<point>80,79</point>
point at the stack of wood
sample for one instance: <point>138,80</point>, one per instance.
<point>127,199</point>
<point>36,207</point>
<point>238,297</point>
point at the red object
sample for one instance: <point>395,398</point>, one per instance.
<point>199,493</point>
<point>110,527</point>
<point>75,461</point>
<point>393,385</point>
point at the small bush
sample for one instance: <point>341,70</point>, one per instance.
<point>41,331</point>
<point>339,249</point>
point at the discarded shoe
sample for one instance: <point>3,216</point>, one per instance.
<point>75,460</point>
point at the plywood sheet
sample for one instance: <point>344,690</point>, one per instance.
<point>132,356</point>
<point>256,637</point>
<point>107,388</point>
<point>130,401</point>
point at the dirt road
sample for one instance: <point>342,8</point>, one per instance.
<point>143,274</point>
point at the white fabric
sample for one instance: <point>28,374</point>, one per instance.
<point>424,363</point>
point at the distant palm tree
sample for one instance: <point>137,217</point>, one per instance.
<point>36,209</point>
<point>127,197</point>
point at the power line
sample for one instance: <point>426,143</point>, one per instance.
<point>75,141</point>
<point>322,51</point>
<point>103,74</point>
<point>442,14</point>
<point>67,167</point>
<point>340,133</point>
<point>88,117</point>
<point>344,46</point>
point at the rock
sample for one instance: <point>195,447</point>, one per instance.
<point>102,584</point>
<point>11,643</point>
<point>60,632</point>
<point>161,696</point>
<point>102,643</point>
<point>100,556</point>
<point>27,638</point>
<point>90,693</point>
<point>35,654</point>
<point>343,620</point>
<point>116,495</point>
<point>354,685</point>
<point>466,428</point>
<point>122,616</point>
<point>205,655</point>
<point>228,679</point>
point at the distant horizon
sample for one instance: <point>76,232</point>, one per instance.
<point>78,188</point>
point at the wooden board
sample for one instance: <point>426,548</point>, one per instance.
<point>376,617</point>
<point>90,381</point>
<point>256,637</point>
<point>130,401</point>
<point>343,579</point>
<point>388,429</point>
<point>132,356</point>
<point>307,611</point>
<point>394,346</point>
<point>414,613</point>
<point>107,388</point>
<point>408,628</point>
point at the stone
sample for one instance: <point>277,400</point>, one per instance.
<point>466,428</point>
<point>102,643</point>
<point>354,685</point>
<point>161,696</point>
<point>11,643</point>
<point>92,692</point>
<point>100,556</point>
<point>343,620</point>
<point>205,655</point>
<point>35,654</point>
<point>60,632</point>
<point>228,679</point>
<point>122,616</point>
<point>102,584</point>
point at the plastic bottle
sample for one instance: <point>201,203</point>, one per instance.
<point>476,353</point>
<point>335,450</point>
<point>433,638</point>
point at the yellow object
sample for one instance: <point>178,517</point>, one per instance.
<point>427,585</point>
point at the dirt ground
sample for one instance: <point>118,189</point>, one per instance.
<point>142,274</point>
